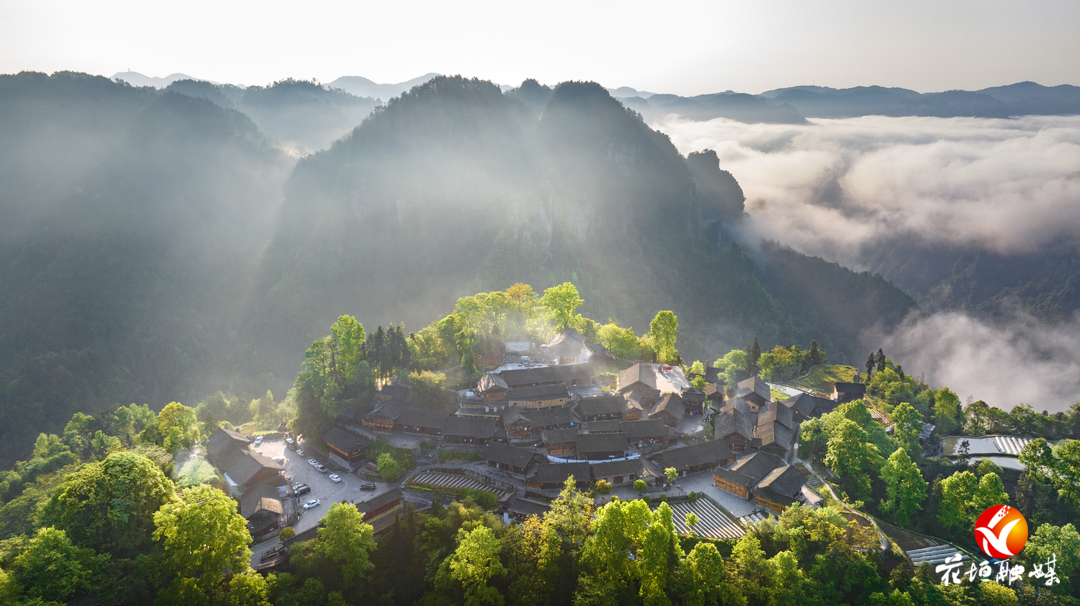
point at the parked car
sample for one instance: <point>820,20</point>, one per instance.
<point>280,460</point>
<point>258,441</point>
<point>302,489</point>
<point>312,504</point>
<point>299,452</point>
<point>290,441</point>
<point>312,462</point>
<point>335,477</point>
<point>368,486</point>
<point>321,468</point>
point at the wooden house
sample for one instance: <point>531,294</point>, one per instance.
<point>618,472</point>
<point>745,474</point>
<point>641,433</point>
<point>596,446</point>
<point>473,429</point>
<point>779,489</point>
<point>422,421</point>
<point>553,475</point>
<point>560,442</point>
<point>846,392</point>
<point>806,406</point>
<point>510,458</point>
<point>755,392</point>
<point>695,457</point>
<point>542,396</point>
<point>602,407</point>
<point>735,426</point>
<point>381,510</point>
<point>347,449</point>
<point>671,409</point>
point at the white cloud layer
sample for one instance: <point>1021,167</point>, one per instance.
<point>834,186</point>
<point>1004,363</point>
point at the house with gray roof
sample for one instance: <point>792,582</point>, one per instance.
<point>744,475</point>
<point>755,391</point>
<point>224,440</point>
<point>474,429</point>
<point>779,489</point>
<point>513,459</point>
<point>735,426</point>
<point>553,475</point>
<point>652,431</point>
<point>560,442</point>
<point>671,409</point>
<point>806,406</point>
<point>262,507</point>
<point>618,472</point>
<point>245,468</point>
<point>602,407</point>
<point>595,446</point>
<point>695,457</point>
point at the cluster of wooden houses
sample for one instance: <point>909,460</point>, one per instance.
<point>256,481</point>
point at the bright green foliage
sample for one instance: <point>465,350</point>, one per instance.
<point>389,469</point>
<point>621,342</point>
<point>986,466</point>
<point>428,389</point>
<point>561,302</point>
<point>201,536</point>
<point>349,336</point>
<point>1063,542</point>
<point>640,485</point>
<point>991,593</point>
<point>346,540</point>
<point>109,506</point>
<point>696,372</point>
<point>671,474</point>
<point>178,425</point>
<point>659,557</point>
<point>733,361</point>
<point>905,486</point>
<point>784,363</point>
<point>1059,465</point>
<point>664,331</point>
<point>989,493</point>
<point>753,572</point>
<point>78,433</point>
<point>957,495</point>
<point>947,414</point>
<point>337,369</point>
<point>892,388</point>
<point>703,577</point>
<point>474,562</point>
<point>691,520</point>
<point>53,569</point>
<point>789,583</point>
<point>602,487</point>
<point>907,425</point>
<point>852,458</point>
<point>571,514</point>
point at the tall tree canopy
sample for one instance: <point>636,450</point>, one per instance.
<point>561,302</point>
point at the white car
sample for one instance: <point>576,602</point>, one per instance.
<point>313,503</point>
<point>299,453</point>
<point>312,462</point>
<point>335,477</point>
<point>258,441</point>
<point>280,460</point>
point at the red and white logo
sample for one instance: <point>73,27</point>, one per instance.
<point>1001,532</point>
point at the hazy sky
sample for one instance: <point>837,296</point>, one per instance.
<point>679,47</point>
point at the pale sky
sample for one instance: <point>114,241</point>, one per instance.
<point>685,48</point>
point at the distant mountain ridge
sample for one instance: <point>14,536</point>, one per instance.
<point>362,87</point>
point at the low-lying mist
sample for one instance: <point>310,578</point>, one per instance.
<point>844,189</point>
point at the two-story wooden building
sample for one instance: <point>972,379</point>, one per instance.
<point>347,449</point>
<point>510,458</point>
<point>695,457</point>
<point>381,510</point>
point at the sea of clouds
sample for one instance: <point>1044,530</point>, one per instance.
<point>833,188</point>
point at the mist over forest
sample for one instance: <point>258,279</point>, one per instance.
<point>162,245</point>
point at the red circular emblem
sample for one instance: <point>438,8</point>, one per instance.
<point>1001,532</point>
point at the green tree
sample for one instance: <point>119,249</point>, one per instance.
<point>989,493</point>
<point>179,426</point>
<point>905,486</point>
<point>671,474</point>
<point>561,302</point>
<point>907,425</point>
<point>691,520</point>
<point>947,413</point>
<point>957,495</point>
<point>1060,466</point>
<point>389,469</point>
<point>640,485</point>
<point>871,362</point>
<point>659,556</point>
<point>697,374</point>
<point>732,362</point>
<point>348,336</point>
<point>704,579</point>
<point>202,536</point>
<point>753,572</point>
<point>602,487</point>
<point>346,540</point>
<point>664,331</point>
<point>474,563</point>
<point>853,458</point>
<point>753,355</point>
<point>109,506</point>
<point>621,342</point>
<point>53,569</point>
<point>1059,542</point>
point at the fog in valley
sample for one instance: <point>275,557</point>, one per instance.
<point>917,199</point>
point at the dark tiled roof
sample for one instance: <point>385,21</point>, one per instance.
<point>521,377</point>
<point>556,473</point>
<point>605,426</point>
<point>754,385</point>
<point>786,481</point>
<point>714,391</point>
<point>474,426</point>
<point>549,416</point>
<point>610,469</point>
<point>652,428</point>
<point>693,395</point>
<point>508,455</point>
<point>739,404</point>
<point>346,441</point>
<point>379,500</point>
<point>223,439</point>
<point>638,373</point>
<point>398,391</point>
<point>672,404</point>
<point>712,375</point>
<point>757,466</point>
<point>641,394</point>
<point>776,435</point>
<point>602,405</point>
<point>781,415</point>
<point>422,417</point>
<point>733,421</point>
<point>527,507</point>
<point>601,442</point>
<point>694,455</point>
<point>568,343</point>
<point>852,388</point>
<point>245,464</point>
<point>491,383</point>
<point>262,497</point>
<point>389,411</point>
<point>538,393</point>
<point>559,436</point>
<point>810,406</point>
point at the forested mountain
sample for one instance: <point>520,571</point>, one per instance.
<point>159,246</point>
<point>132,221</point>
<point>303,115</point>
<point>456,188</point>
